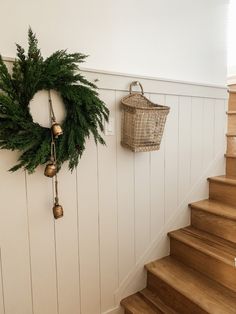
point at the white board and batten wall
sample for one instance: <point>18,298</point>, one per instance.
<point>118,205</point>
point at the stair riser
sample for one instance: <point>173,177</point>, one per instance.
<point>231,145</point>
<point>230,166</point>
<point>172,297</point>
<point>211,267</point>
<point>222,192</point>
<point>232,124</point>
<point>232,101</point>
<point>216,225</point>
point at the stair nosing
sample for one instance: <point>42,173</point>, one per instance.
<point>223,180</point>
<point>220,213</point>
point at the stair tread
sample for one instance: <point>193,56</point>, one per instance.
<point>136,304</point>
<point>216,208</point>
<point>153,298</point>
<point>223,179</point>
<point>207,243</point>
<point>206,293</point>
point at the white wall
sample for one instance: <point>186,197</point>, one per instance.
<point>118,206</point>
<point>176,39</point>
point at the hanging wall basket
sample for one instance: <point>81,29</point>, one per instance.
<point>143,122</point>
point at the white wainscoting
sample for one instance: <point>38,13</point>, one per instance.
<point>118,205</point>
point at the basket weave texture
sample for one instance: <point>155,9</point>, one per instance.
<point>143,123</point>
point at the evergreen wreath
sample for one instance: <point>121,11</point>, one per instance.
<point>85,112</point>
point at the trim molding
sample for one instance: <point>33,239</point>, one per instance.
<point>122,81</point>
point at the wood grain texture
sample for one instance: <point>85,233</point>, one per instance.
<point>222,189</point>
<point>205,253</point>
<point>231,165</point>
<point>186,290</point>
<point>215,224</point>
<point>232,124</point>
<point>231,145</point>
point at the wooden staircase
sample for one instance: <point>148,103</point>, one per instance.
<point>199,276</point>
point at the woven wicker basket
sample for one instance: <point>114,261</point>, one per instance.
<point>143,122</point>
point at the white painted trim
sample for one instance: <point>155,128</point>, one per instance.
<point>123,290</point>
<point>119,81</point>
<point>115,310</point>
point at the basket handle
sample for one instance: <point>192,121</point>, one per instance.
<point>136,83</point>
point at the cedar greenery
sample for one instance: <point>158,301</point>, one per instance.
<point>85,112</point>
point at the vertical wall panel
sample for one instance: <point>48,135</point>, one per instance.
<point>125,197</point>
<point>2,305</point>
<point>197,139</point>
<point>157,181</point>
<point>171,156</point>
<point>115,203</point>
<point>42,243</point>
<point>142,201</point>
<point>184,158</point>
<point>67,245</point>
<point>220,123</point>
<point>208,131</point>
<point>14,238</point>
<point>89,239</point>
<point>108,211</point>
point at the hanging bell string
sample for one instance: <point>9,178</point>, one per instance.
<point>52,114</point>
<point>55,127</point>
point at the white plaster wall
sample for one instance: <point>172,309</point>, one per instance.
<point>176,39</point>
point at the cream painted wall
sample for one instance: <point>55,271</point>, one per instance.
<point>176,39</point>
<point>118,205</point>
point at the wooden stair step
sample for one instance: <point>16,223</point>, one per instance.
<point>206,253</point>
<point>224,180</point>
<point>215,217</point>
<point>136,304</point>
<point>207,243</point>
<point>223,188</point>
<point>215,208</point>
<point>188,291</point>
<point>154,299</point>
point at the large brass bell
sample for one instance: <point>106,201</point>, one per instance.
<point>50,170</point>
<point>56,129</point>
<point>57,211</point>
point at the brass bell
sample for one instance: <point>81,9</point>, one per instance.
<point>57,211</point>
<point>50,170</point>
<point>56,129</point>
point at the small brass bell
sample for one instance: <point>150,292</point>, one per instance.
<point>56,129</point>
<point>57,211</point>
<point>50,170</point>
